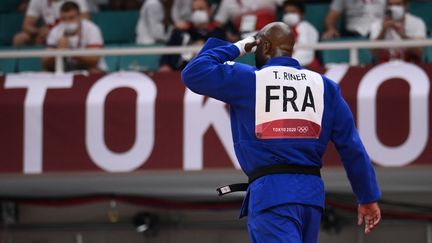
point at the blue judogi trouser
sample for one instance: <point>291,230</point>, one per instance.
<point>287,223</point>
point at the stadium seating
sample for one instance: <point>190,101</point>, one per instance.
<point>7,65</point>
<point>10,23</point>
<point>29,64</point>
<point>7,6</point>
<point>429,54</point>
<point>342,56</point>
<point>140,62</point>
<point>423,10</point>
<point>118,27</point>
<point>112,62</point>
<point>315,14</point>
<point>247,59</point>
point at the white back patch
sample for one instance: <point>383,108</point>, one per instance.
<point>289,103</point>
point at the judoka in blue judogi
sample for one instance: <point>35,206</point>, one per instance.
<point>282,114</point>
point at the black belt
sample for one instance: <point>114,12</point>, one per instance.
<point>268,170</point>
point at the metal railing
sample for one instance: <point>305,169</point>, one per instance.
<point>352,46</point>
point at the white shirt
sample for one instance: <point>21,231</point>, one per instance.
<point>306,34</point>
<point>89,37</point>
<point>150,27</point>
<point>181,10</point>
<point>359,14</point>
<point>415,28</point>
<point>49,10</point>
<point>229,9</point>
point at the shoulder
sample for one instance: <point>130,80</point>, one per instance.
<point>90,26</point>
<point>241,66</point>
<point>306,26</point>
<point>413,20</point>
<point>55,34</point>
<point>92,33</point>
<point>330,85</point>
<point>57,29</point>
<point>377,23</point>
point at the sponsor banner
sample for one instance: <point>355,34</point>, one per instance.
<point>128,121</point>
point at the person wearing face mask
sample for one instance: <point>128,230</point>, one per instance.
<point>358,14</point>
<point>49,12</point>
<point>398,24</point>
<point>158,18</point>
<point>199,29</point>
<point>74,32</point>
<point>304,32</point>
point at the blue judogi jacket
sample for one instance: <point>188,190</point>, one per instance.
<point>212,74</point>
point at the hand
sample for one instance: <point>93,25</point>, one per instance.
<point>387,23</point>
<point>182,25</point>
<point>42,35</point>
<point>247,45</point>
<point>63,43</point>
<point>400,28</point>
<point>330,34</point>
<point>370,214</point>
<point>165,68</point>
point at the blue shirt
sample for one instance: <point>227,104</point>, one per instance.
<point>212,74</point>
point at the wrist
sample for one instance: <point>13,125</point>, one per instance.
<point>241,45</point>
<point>240,49</point>
<point>331,29</point>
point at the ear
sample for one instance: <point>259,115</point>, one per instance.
<point>267,48</point>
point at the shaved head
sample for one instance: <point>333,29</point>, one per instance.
<point>275,39</point>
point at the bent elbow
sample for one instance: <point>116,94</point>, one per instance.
<point>191,76</point>
<point>186,77</point>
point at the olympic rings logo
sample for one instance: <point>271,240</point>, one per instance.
<point>302,129</point>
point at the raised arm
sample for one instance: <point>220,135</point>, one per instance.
<point>211,73</point>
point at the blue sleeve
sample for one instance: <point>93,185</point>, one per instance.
<point>358,166</point>
<point>209,75</point>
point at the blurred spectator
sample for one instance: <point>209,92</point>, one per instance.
<point>181,13</point>
<point>304,32</point>
<point>359,14</point>
<point>158,17</point>
<point>74,32</point>
<point>398,24</point>
<point>93,5</point>
<point>199,30</point>
<point>49,11</point>
<point>246,15</point>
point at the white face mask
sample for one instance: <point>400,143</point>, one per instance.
<point>397,11</point>
<point>70,27</point>
<point>200,17</point>
<point>291,19</point>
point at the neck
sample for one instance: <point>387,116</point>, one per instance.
<point>282,53</point>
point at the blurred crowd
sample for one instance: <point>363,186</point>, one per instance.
<point>66,24</point>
